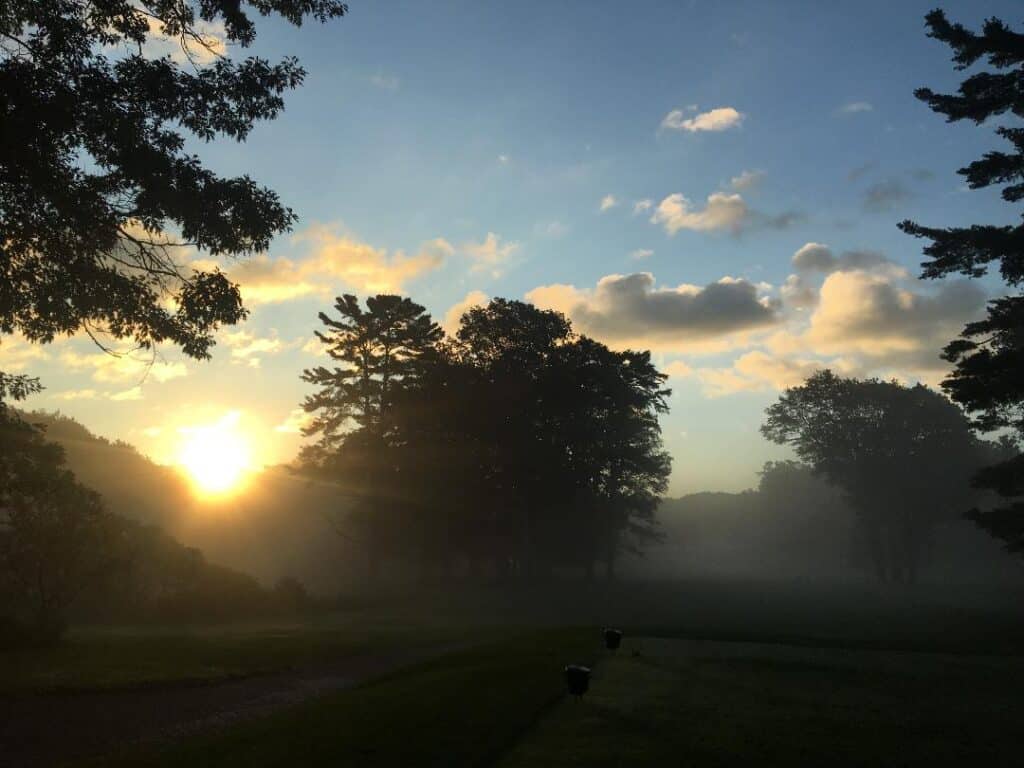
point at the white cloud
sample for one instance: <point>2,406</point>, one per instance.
<point>503,160</point>
<point>489,255</point>
<point>747,180</point>
<point>719,119</point>
<point>642,206</point>
<point>17,353</point>
<point>212,43</point>
<point>855,107</point>
<point>608,202</point>
<point>552,229</point>
<point>455,312</point>
<point>315,347</point>
<point>333,258</point>
<point>641,253</point>
<point>244,344</point>
<point>757,371</point>
<point>112,369</point>
<point>722,211</point>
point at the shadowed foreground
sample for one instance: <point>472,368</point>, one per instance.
<point>103,722</point>
<point>712,703</point>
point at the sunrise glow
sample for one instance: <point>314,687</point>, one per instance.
<point>217,456</point>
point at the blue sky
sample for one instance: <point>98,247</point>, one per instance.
<point>426,128</point>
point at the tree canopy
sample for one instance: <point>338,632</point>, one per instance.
<point>517,443</point>
<point>903,456</point>
<point>988,377</point>
<point>99,191</point>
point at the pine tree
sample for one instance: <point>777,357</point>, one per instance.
<point>988,377</point>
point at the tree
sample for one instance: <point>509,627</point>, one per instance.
<point>988,377</point>
<point>605,405</point>
<point>56,539</point>
<point>903,456</point>
<point>97,188</point>
<point>380,350</point>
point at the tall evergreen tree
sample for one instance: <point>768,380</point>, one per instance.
<point>988,377</point>
<point>380,350</point>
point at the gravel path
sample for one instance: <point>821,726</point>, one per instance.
<point>54,728</point>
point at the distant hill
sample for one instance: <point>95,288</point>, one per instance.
<point>275,528</point>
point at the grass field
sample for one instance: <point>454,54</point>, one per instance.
<point>123,657</point>
<point>465,709</point>
<point>711,704</point>
<point>734,677</point>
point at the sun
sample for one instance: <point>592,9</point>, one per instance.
<point>215,456</point>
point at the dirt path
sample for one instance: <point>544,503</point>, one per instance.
<point>50,729</point>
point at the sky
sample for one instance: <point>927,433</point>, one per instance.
<point>719,182</point>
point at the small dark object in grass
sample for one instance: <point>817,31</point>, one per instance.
<point>612,638</point>
<point>577,679</point>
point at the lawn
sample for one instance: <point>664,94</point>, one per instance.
<point>124,657</point>
<point>709,704</point>
<point>464,709</point>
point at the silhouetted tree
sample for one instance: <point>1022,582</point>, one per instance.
<point>902,455</point>
<point>380,351</point>
<point>988,379</point>
<point>55,537</point>
<point>518,443</point>
<point>97,188</point>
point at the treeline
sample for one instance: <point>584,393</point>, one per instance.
<point>64,555</point>
<point>513,449</point>
<point>905,460</point>
<point>794,526</point>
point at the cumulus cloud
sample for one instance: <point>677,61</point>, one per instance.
<point>874,316</point>
<point>457,310</point>
<point>489,255</point>
<point>642,206</point>
<point>719,119</point>
<point>721,212</point>
<point>608,202</point>
<point>332,258</point>
<point>641,253</point>
<point>856,313</point>
<point>757,371</point>
<point>747,180</point>
<point>630,310</point>
<point>798,294</point>
<point>818,257</point>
